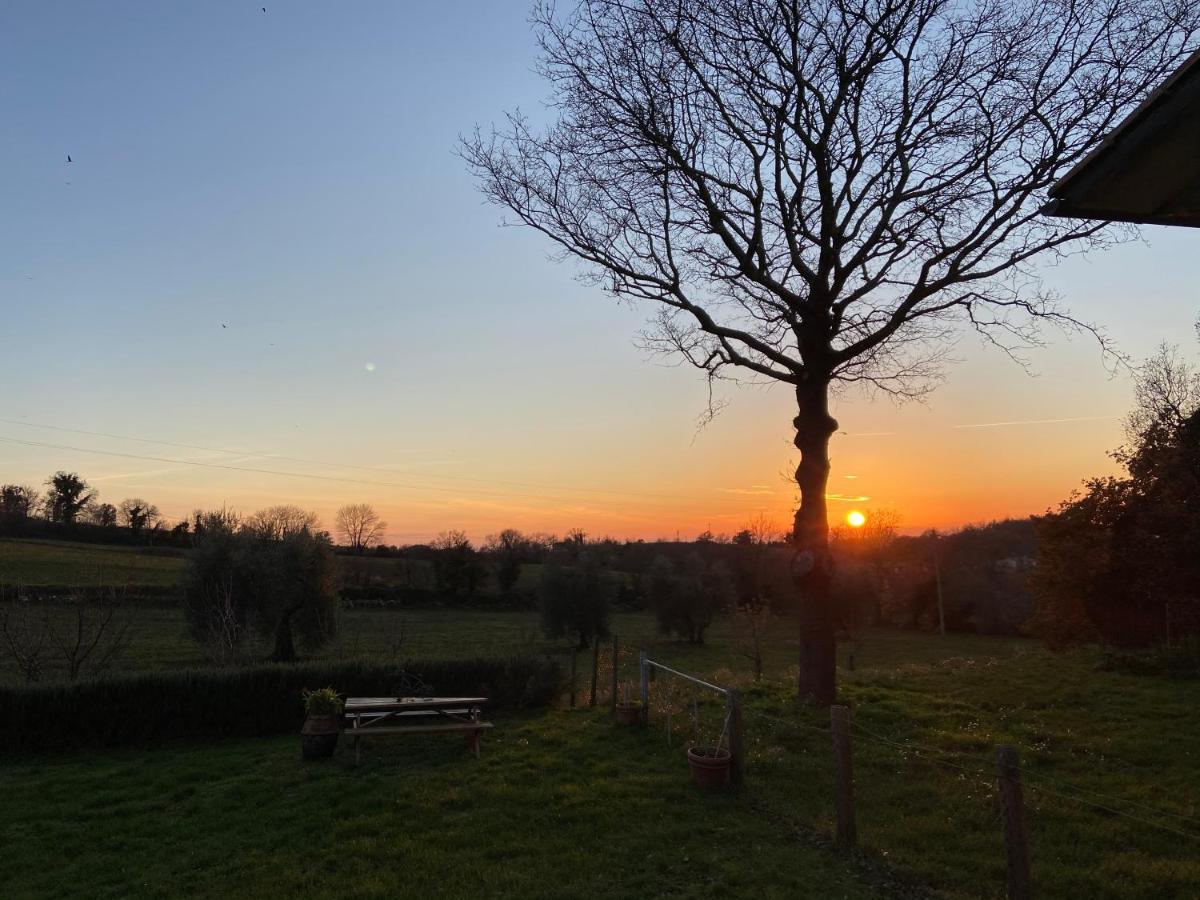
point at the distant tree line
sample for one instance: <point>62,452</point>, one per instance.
<point>72,508</point>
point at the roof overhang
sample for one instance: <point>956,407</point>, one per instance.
<point>1148,169</point>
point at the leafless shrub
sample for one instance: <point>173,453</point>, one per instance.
<point>93,637</point>
<point>24,641</point>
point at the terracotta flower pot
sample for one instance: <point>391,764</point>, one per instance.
<point>710,766</point>
<point>629,713</point>
<point>319,736</point>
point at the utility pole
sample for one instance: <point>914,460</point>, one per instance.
<point>937,574</point>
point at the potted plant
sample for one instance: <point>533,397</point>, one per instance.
<point>322,724</point>
<point>629,712</point>
<point>709,765</point>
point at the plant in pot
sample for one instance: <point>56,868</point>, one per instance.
<point>709,765</point>
<point>322,724</point>
<point>629,712</point>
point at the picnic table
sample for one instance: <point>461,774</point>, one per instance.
<point>365,716</point>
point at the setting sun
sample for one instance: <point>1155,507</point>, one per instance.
<point>856,519</point>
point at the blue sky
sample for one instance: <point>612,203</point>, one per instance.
<point>290,175</point>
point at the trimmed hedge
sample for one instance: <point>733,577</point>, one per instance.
<point>401,597</point>
<point>241,702</point>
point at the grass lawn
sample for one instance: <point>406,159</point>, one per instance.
<point>56,563</point>
<point>563,804</point>
<point>1111,760</point>
<point>923,743</point>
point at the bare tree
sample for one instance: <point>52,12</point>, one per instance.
<point>278,522</point>
<point>94,636</point>
<point>102,514</point>
<point>814,191</point>
<point>217,621</point>
<point>360,526</point>
<point>136,514</point>
<point>17,502</point>
<point>749,625</point>
<point>25,640</point>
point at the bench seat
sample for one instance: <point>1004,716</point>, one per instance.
<point>419,729</point>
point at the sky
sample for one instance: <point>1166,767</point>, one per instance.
<point>265,277</point>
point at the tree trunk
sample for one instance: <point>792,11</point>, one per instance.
<point>812,566</point>
<point>285,645</point>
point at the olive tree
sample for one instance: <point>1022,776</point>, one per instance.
<point>816,193</point>
<point>272,575</point>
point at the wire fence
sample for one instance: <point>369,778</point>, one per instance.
<point>908,794</point>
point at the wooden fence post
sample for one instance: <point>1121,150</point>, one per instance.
<point>839,725</point>
<point>574,655</point>
<point>1012,811</point>
<point>737,747</point>
<point>644,678</point>
<point>616,657</point>
<point>595,667</point>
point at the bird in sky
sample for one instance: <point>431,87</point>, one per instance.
<point>223,325</point>
<point>69,158</point>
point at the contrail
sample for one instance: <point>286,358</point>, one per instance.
<point>1036,422</point>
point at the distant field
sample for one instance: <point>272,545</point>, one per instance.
<point>60,563</point>
<point>66,564</point>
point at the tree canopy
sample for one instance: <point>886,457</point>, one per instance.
<point>822,192</point>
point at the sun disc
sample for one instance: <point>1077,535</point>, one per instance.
<point>856,519</point>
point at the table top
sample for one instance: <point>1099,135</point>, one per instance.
<point>386,704</point>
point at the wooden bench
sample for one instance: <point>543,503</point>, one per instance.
<point>365,716</point>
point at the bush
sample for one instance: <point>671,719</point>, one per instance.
<point>269,575</point>
<point>242,702</point>
<point>686,600</point>
<point>575,599</point>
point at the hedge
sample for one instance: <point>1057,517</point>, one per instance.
<point>241,702</point>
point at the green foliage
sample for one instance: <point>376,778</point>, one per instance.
<point>1121,561</point>
<point>509,550</point>
<point>276,581</point>
<point>685,600</point>
<point>457,566</point>
<point>322,702</point>
<point>576,594</point>
<point>247,701</point>
<point>68,496</point>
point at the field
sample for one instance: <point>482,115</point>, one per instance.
<point>565,803</point>
<point>59,563</point>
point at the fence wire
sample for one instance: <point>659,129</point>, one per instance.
<point>781,748</point>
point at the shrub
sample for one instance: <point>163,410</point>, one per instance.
<point>686,600</point>
<point>277,579</point>
<point>241,702</point>
<point>575,599</point>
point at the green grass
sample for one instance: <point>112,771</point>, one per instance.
<point>1129,743</point>
<point>59,563</point>
<point>925,809</point>
<point>561,805</point>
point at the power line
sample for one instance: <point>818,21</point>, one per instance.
<point>277,472</point>
<point>338,465</point>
